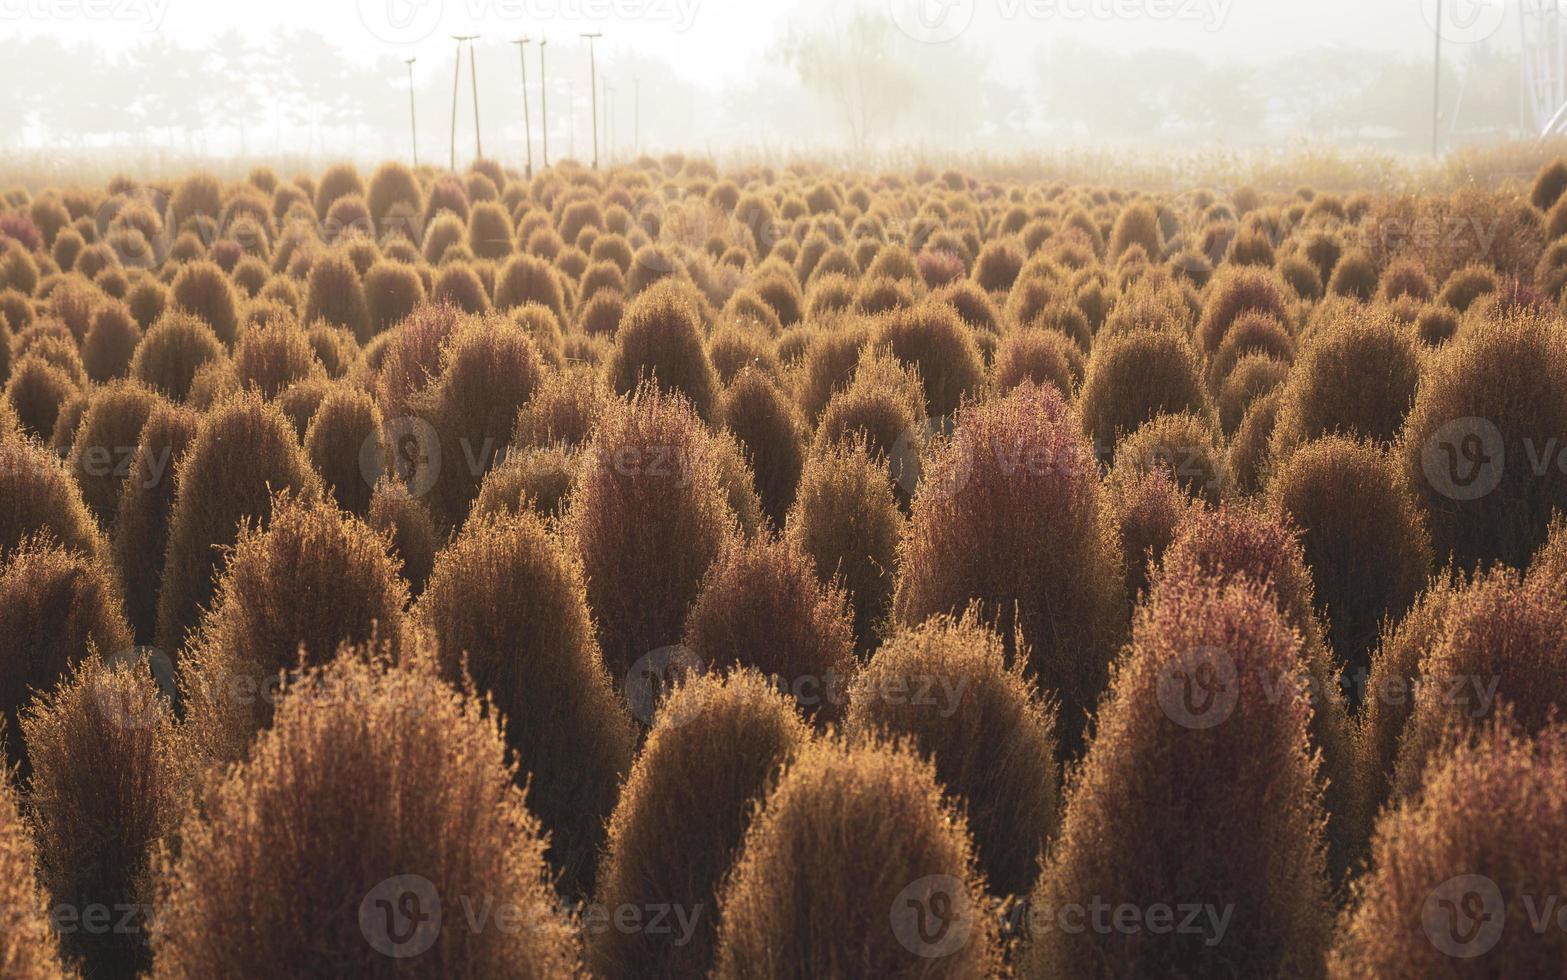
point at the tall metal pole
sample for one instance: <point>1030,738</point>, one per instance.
<point>413,125</point>
<point>544,101</point>
<point>456,77</point>
<point>593,80</point>
<point>1436,88</point>
<point>473,76</point>
<point>527,124</point>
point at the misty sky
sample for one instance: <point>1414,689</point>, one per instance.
<point>717,42</point>
<point>712,73</point>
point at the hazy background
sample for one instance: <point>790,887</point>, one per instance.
<point>325,79</point>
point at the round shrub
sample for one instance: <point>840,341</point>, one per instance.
<point>933,339</point>
<point>106,440</point>
<point>528,479</point>
<point>1466,285</point>
<point>1497,655</point>
<point>660,340</point>
<point>394,199</point>
<point>490,367</point>
<point>1183,801</point>
<point>490,231</point>
<point>1240,543</point>
<point>771,433</point>
<point>507,604</point>
<point>37,392</point>
<point>104,791</point>
<point>883,844</point>
<point>716,748</point>
<point>346,445</point>
<point>1011,513</point>
<point>1549,184</point>
<point>1149,508</point>
<point>1039,356</point>
<point>311,582</point>
<point>1234,291</point>
<point>1135,376</point>
<point>1489,824</point>
<point>846,520</point>
<point>29,944</point>
<point>884,409</point>
<point>1253,376</point>
<point>243,453</point>
<point>1357,377</point>
<point>649,514</point>
<point>1354,277</point>
<point>1405,277</point>
<point>337,296</point>
<point>142,516</point>
<point>562,410</point>
<point>405,523</point>
<point>1364,537</point>
<point>1476,435</point>
<point>1395,670</point>
<point>392,291</point>
<point>412,357</point>
<point>831,357</point>
<point>273,355</point>
<point>1251,333</point>
<point>41,498</point>
<point>527,279</point>
<point>110,343</point>
<point>1007,789</point>
<point>735,347</point>
<point>204,290</point>
<point>1137,224</point>
<point>365,760</point>
<point>172,350</point>
<point>57,606</point>
<point>760,606</point>
<point>1184,446</point>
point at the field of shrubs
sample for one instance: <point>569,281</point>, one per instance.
<point>668,572</point>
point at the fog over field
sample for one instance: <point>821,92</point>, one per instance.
<point>989,77</point>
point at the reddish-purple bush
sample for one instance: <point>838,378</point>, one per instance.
<point>1200,797</point>
<point>365,759</point>
<point>1011,513</point>
<point>648,516</point>
<point>717,746</point>
<point>1459,875</point>
<point>506,605</point>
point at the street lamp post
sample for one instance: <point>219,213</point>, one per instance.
<point>544,100</point>
<point>413,125</point>
<point>527,124</point>
<point>473,76</point>
<point>593,80</point>
<point>456,77</point>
